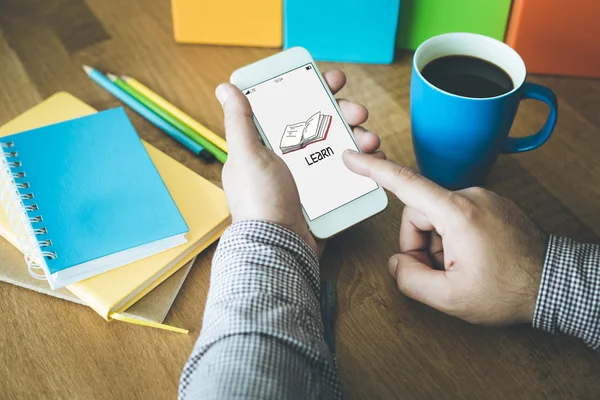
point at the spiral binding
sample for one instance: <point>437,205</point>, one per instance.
<point>19,214</point>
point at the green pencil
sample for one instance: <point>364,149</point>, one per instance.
<point>161,112</point>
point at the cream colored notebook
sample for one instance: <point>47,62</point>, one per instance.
<point>152,308</point>
<point>201,203</point>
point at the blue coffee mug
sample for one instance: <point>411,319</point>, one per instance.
<point>457,139</point>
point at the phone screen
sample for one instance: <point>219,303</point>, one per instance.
<point>305,129</point>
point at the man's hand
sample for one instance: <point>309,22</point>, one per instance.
<point>257,183</point>
<point>471,254</point>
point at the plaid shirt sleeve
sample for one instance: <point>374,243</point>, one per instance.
<point>569,296</point>
<point>262,334</point>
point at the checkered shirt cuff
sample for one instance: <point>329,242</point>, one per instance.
<point>569,296</point>
<point>262,333</point>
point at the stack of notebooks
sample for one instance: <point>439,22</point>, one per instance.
<point>100,213</point>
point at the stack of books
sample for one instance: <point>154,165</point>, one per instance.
<point>99,215</point>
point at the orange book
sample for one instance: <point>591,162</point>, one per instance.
<point>255,23</point>
<point>558,37</point>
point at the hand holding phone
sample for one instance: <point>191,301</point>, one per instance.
<point>300,121</point>
<point>258,184</point>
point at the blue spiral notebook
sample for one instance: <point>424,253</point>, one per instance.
<point>84,197</point>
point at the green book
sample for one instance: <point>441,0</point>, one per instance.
<point>422,19</point>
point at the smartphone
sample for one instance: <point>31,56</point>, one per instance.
<point>299,119</point>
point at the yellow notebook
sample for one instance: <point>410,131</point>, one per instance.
<point>229,22</point>
<point>201,203</point>
<point>153,307</point>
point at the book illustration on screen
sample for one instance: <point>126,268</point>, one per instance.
<point>301,134</point>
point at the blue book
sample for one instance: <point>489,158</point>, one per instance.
<point>84,198</point>
<point>342,30</point>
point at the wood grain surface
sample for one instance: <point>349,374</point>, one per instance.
<point>387,346</point>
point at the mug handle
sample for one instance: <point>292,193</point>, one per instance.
<point>541,93</point>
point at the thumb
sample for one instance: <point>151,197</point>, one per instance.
<point>419,281</point>
<point>240,130</point>
<point>410,187</point>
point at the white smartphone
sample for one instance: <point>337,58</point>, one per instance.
<point>299,119</point>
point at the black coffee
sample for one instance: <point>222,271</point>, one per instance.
<point>468,76</point>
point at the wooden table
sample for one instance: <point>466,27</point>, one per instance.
<point>387,346</point>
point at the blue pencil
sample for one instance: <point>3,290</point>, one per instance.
<point>160,123</point>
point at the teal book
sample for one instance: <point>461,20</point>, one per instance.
<point>84,197</point>
<point>354,31</point>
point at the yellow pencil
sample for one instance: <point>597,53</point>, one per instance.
<point>177,113</point>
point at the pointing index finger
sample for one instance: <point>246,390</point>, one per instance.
<point>410,187</point>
